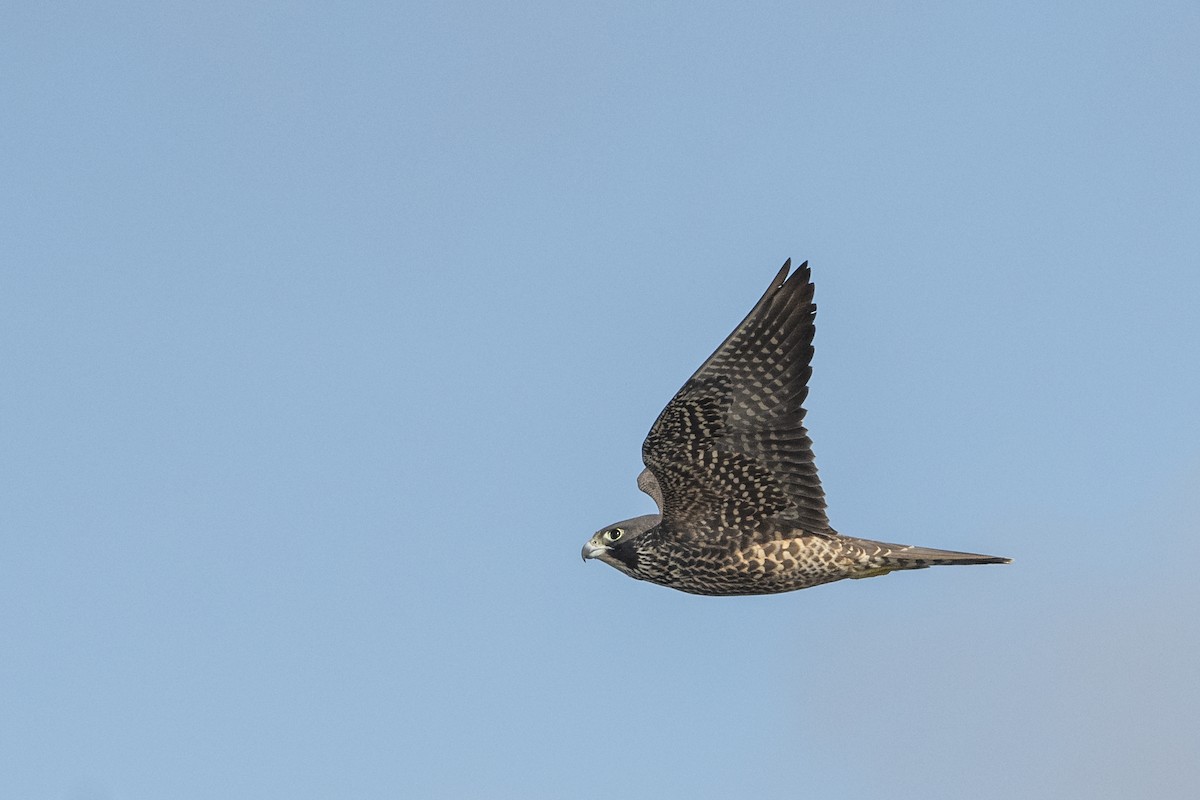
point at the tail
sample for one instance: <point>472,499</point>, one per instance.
<point>881,558</point>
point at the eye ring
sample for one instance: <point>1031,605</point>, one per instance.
<point>614,534</point>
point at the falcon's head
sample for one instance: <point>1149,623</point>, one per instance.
<point>616,544</point>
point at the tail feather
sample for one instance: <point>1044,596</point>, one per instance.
<point>935,557</point>
<point>884,558</point>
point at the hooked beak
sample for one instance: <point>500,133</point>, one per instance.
<point>593,550</point>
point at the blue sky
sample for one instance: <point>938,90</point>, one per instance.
<point>330,333</point>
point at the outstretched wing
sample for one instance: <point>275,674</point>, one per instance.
<point>730,451</point>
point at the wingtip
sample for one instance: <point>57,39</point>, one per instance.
<point>801,273</point>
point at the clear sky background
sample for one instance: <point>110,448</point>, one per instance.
<point>329,333</point>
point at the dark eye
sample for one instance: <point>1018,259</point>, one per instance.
<point>614,534</point>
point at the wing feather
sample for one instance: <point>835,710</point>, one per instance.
<point>730,451</point>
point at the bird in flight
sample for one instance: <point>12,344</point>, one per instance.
<point>730,466</point>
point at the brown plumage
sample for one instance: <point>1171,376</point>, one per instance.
<point>730,465</point>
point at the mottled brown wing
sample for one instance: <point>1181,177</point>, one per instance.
<point>730,451</point>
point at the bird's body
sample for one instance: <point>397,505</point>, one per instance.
<point>783,563</point>
<point>730,465</point>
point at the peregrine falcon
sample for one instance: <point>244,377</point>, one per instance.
<point>730,466</point>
